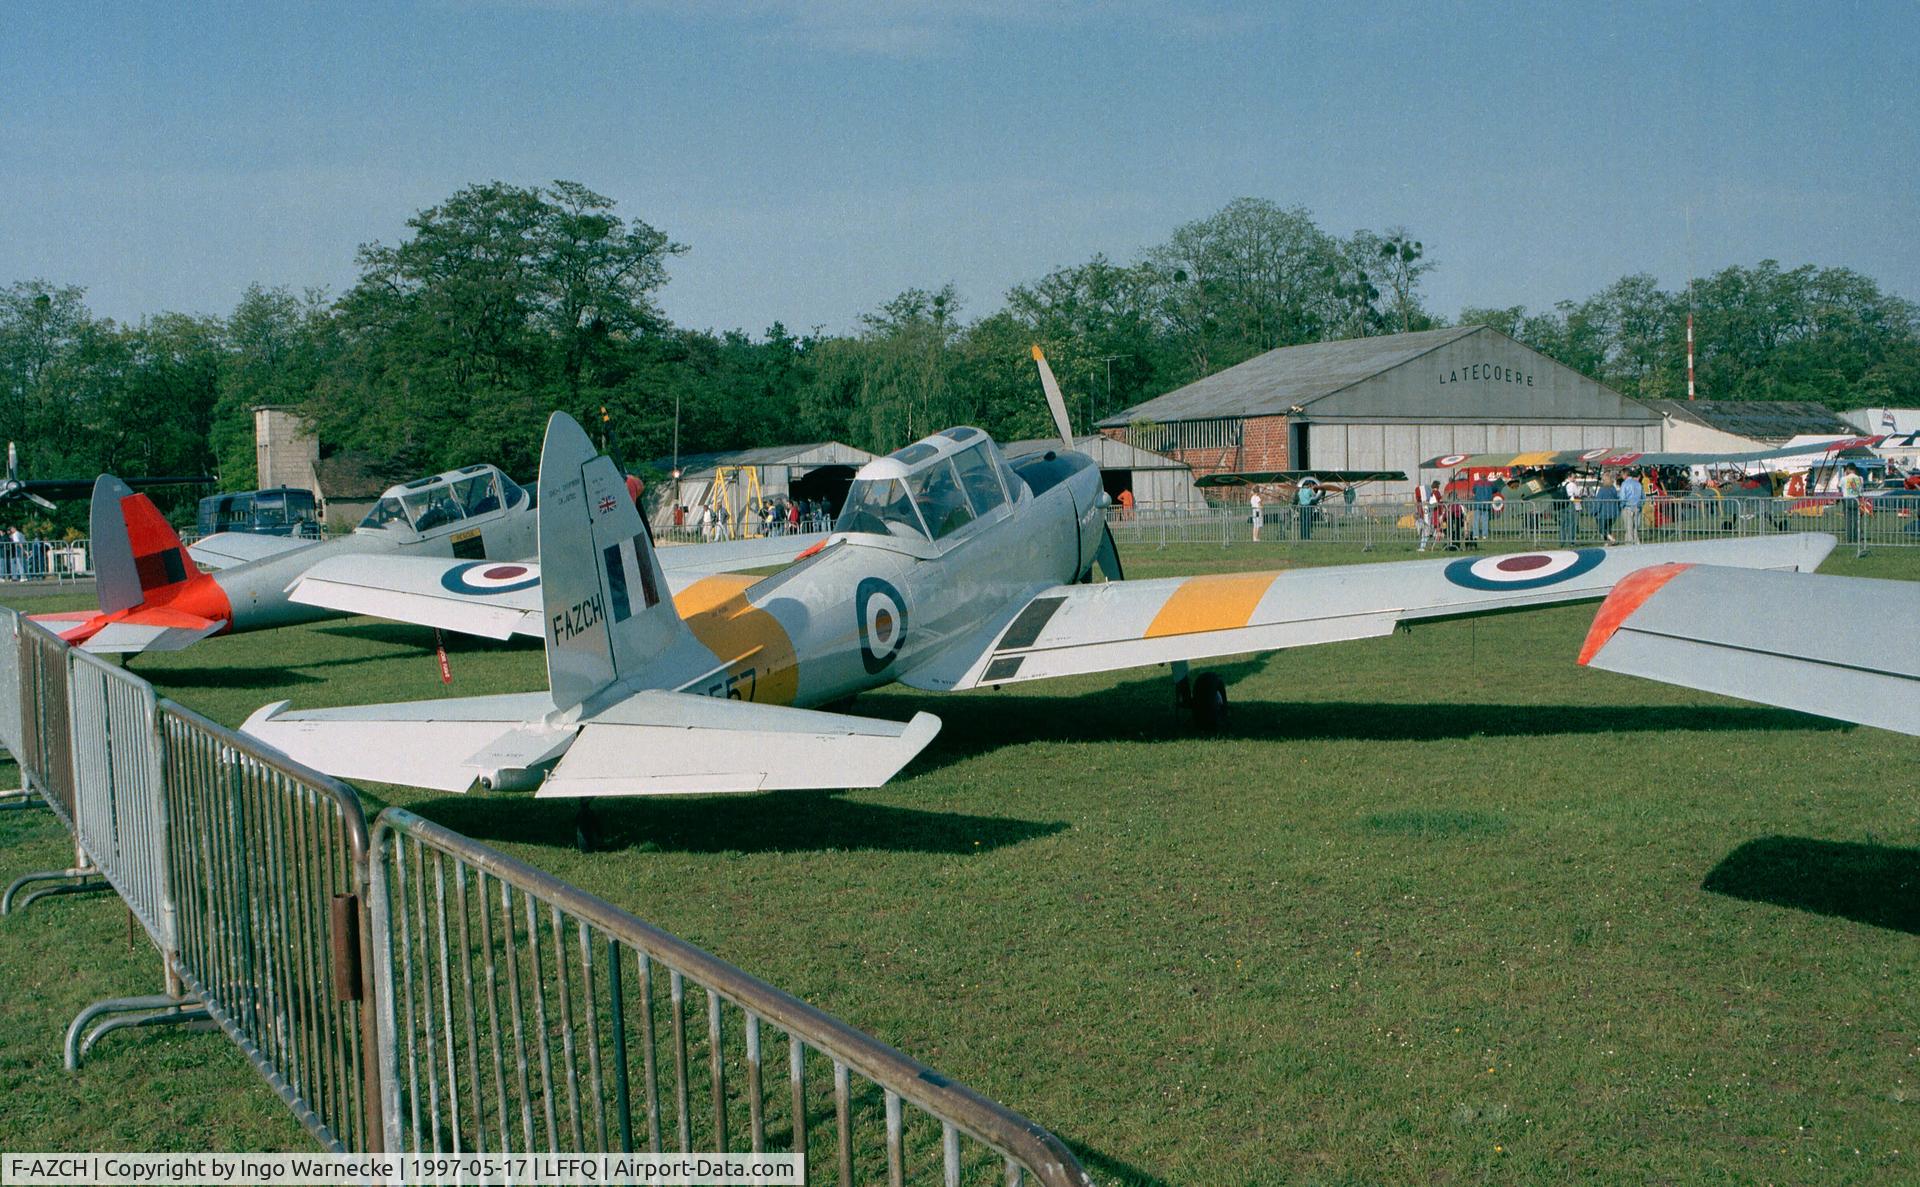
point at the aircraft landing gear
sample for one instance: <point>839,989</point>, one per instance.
<point>1204,696</point>
<point>1209,702</point>
<point>586,829</point>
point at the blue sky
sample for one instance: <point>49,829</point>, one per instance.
<point>820,157</point>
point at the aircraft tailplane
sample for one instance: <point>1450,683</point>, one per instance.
<point>605,599</point>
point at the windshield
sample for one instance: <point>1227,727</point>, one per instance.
<point>386,513</point>
<point>433,507</point>
<point>977,475</point>
<point>477,495</point>
<point>942,500</point>
<point>879,506</point>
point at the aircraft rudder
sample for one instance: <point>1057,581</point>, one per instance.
<point>604,595</point>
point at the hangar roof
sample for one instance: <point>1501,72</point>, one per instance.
<point>1269,384</point>
<point>1407,378</point>
<point>1106,453</point>
<point>818,453</point>
<point>1761,420</point>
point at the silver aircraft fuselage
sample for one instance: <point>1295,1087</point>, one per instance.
<point>875,607</point>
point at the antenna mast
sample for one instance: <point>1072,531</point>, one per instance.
<point>1689,211</point>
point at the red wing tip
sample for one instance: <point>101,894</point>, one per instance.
<point>1629,594</point>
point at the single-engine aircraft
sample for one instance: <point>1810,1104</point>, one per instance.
<point>948,569</point>
<point>1754,636</point>
<point>43,491</point>
<point>153,597</point>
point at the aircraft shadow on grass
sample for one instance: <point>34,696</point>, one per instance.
<point>783,822</point>
<point>420,638</point>
<point>1877,885</point>
<point>1143,710</point>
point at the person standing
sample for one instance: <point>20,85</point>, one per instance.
<point>1851,486</point>
<point>1569,511</point>
<point>1423,514</point>
<point>16,567</point>
<point>1308,496</point>
<point>1254,503</point>
<point>1483,491</point>
<point>1606,507</point>
<point>1632,496</point>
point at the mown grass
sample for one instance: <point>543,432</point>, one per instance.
<point>1437,907</point>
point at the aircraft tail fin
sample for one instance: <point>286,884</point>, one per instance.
<point>605,599</point>
<point>137,556</point>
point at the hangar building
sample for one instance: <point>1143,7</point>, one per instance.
<point>1740,426</point>
<point>1385,403</point>
<point>822,470</point>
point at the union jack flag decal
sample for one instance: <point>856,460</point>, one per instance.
<point>606,504</point>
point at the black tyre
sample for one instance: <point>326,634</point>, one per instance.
<point>1210,702</point>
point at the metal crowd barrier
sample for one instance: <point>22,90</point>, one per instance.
<point>1889,520</point>
<point>43,560</point>
<point>120,811</point>
<point>45,756</point>
<point>526,1014</point>
<point>269,865</point>
<point>430,993</point>
<point>10,735</point>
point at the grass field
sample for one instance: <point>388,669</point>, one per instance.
<point>1440,907</point>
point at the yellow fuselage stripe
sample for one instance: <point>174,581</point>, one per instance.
<point>742,636</point>
<point>1218,602</point>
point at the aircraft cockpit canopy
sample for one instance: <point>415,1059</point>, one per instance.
<point>930,489</point>
<point>428,503</point>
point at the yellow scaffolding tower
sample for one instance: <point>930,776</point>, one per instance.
<point>740,521</point>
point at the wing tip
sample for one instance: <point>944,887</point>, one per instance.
<point>1629,594</point>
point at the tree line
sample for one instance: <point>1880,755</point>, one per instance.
<point>504,301</point>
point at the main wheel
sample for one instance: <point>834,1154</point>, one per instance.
<point>586,829</point>
<point>1210,702</point>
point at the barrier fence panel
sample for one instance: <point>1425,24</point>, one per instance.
<point>10,704</point>
<point>1881,521</point>
<point>120,809</point>
<point>269,867</point>
<point>45,757</point>
<point>523,1014</point>
<point>46,743</point>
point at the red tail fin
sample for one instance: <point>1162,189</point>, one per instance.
<point>137,556</point>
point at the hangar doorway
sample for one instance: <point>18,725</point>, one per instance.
<point>1297,458</point>
<point>1115,481</point>
<point>823,482</point>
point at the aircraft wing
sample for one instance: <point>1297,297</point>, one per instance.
<point>650,743</point>
<point>1833,646</point>
<point>1264,477</point>
<point>732,556</point>
<point>224,550</point>
<point>500,599</point>
<point>494,599</point>
<point>1073,629</point>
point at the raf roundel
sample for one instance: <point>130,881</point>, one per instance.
<point>488,577</point>
<point>1523,570</point>
<point>883,623</point>
<point>1452,459</point>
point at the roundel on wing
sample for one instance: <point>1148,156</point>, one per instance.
<point>1452,459</point>
<point>1594,455</point>
<point>1523,570</point>
<point>883,623</point>
<point>488,577</point>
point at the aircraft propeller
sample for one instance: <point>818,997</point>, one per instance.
<point>14,488</point>
<point>1107,556</point>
